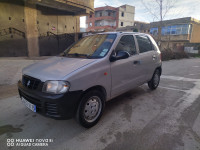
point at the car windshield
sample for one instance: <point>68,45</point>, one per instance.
<point>93,46</point>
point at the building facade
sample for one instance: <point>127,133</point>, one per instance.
<point>177,32</point>
<point>110,18</point>
<point>40,28</point>
<point>142,27</point>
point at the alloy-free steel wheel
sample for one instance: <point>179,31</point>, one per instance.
<point>154,82</point>
<point>90,108</point>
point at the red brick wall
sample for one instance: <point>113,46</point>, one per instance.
<point>92,19</point>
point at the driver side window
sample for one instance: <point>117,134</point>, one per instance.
<point>126,43</point>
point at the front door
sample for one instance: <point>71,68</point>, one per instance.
<point>126,73</point>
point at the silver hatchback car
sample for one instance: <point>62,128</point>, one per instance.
<point>92,71</point>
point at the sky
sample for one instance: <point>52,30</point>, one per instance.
<point>180,8</point>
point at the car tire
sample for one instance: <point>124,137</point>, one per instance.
<point>155,80</point>
<point>90,108</point>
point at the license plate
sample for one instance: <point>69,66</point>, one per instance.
<point>29,105</point>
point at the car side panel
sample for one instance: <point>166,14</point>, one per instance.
<point>157,53</point>
<point>125,75</point>
<point>150,60</point>
<point>148,63</point>
<point>96,74</point>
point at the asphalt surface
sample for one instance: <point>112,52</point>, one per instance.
<point>165,119</point>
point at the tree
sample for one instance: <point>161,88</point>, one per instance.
<point>159,9</point>
<point>135,30</point>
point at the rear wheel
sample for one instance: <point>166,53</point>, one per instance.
<point>154,82</point>
<point>90,108</point>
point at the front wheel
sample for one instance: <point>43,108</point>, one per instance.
<point>154,82</point>
<point>90,108</point>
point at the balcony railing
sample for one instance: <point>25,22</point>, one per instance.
<point>11,30</point>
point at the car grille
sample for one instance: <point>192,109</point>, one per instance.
<point>30,82</point>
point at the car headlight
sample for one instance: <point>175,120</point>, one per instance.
<point>56,87</point>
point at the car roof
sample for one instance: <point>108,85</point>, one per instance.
<point>121,33</point>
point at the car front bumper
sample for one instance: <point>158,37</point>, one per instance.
<point>57,106</point>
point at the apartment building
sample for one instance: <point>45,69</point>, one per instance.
<point>110,18</point>
<point>177,33</point>
<point>142,27</point>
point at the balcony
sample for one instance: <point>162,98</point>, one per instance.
<point>74,7</point>
<point>105,18</point>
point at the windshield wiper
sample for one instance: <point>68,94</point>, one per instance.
<point>78,55</point>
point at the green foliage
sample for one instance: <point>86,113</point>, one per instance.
<point>135,30</point>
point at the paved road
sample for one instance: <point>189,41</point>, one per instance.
<point>165,119</point>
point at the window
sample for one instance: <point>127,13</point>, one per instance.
<point>100,14</point>
<point>90,16</point>
<point>122,14</point>
<point>93,46</point>
<point>164,31</point>
<point>90,24</point>
<point>122,24</point>
<point>154,31</point>
<point>109,14</point>
<point>173,30</point>
<point>176,29</point>
<point>96,14</point>
<point>99,23</point>
<point>144,43</point>
<point>127,44</point>
<point>185,29</point>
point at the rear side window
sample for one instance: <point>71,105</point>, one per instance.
<point>144,43</point>
<point>127,44</point>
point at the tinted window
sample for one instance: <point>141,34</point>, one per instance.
<point>127,44</point>
<point>144,43</point>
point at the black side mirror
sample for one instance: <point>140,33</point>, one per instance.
<point>120,55</point>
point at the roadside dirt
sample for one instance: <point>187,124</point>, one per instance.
<point>8,91</point>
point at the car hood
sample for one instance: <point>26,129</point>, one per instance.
<point>55,68</point>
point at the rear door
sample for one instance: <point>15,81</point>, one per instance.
<point>147,55</point>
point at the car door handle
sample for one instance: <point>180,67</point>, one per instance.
<point>136,62</point>
<point>154,57</point>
